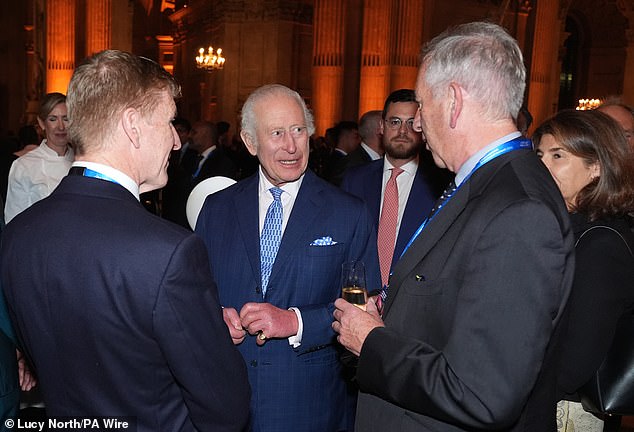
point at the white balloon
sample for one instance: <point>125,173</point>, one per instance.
<point>199,194</point>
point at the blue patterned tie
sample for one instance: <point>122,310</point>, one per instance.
<point>271,237</point>
<point>447,193</point>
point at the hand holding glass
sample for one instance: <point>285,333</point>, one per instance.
<point>353,285</point>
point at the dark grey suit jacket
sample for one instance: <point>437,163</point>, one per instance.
<point>474,311</point>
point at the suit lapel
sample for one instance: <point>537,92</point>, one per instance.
<point>438,226</point>
<point>374,197</point>
<point>418,205</point>
<point>306,211</point>
<point>247,214</point>
<point>426,240</point>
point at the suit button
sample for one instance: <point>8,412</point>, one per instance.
<point>254,363</point>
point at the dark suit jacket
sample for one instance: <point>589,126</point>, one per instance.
<point>297,389</point>
<point>118,313</point>
<point>9,386</point>
<point>335,167</point>
<point>218,163</point>
<point>366,182</point>
<point>357,158</point>
<point>474,310</point>
<point>601,294</point>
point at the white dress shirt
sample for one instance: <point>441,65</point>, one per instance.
<point>265,198</point>
<point>404,183</point>
<point>33,176</point>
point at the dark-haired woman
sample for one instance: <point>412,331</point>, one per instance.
<point>587,154</point>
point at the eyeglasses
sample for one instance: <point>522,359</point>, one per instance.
<point>395,123</point>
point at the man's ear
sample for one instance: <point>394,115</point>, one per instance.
<point>249,142</point>
<point>130,120</point>
<point>455,108</point>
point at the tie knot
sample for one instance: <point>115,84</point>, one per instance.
<point>276,192</point>
<point>396,172</point>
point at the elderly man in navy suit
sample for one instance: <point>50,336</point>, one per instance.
<point>469,338</point>
<point>117,309</point>
<point>396,189</point>
<point>276,244</point>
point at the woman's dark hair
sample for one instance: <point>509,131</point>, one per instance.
<point>596,138</point>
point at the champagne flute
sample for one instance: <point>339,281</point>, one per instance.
<point>353,284</point>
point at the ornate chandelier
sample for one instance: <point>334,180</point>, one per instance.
<point>210,61</point>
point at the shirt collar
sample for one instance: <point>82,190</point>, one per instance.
<point>470,164</point>
<point>369,150</point>
<point>410,167</point>
<point>291,187</point>
<point>114,174</point>
<point>208,150</point>
<point>52,152</point>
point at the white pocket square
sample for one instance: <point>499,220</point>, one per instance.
<point>324,241</point>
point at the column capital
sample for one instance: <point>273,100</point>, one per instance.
<point>524,6</point>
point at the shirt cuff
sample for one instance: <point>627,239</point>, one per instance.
<point>296,340</point>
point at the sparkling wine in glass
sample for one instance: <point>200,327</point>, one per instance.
<point>353,285</point>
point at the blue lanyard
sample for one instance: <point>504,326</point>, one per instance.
<point>515,144</point>
<point>94,174</point>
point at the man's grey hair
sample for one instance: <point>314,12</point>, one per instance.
<point>249,120</point>
<point>484,59</point>
<point>369,123</point>
<point>616,100</point>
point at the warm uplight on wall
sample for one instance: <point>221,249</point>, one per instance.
<point>209,60</point>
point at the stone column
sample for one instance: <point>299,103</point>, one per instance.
<point>374,83</point>
<point>121,16</point>
<point>34,28</point>
<point>408,37</point>
<point>544,82</point>
<point>328,52</point>
<point>523,10</point>
<point>60,44</point>
<point>626,7</point>
<point>98,25</point>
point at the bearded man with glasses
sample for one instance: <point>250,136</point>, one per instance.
<point>397,190</point>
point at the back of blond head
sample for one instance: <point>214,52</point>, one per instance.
<point>105,85</point>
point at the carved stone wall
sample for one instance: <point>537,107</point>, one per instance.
<point>605,48</point>
<point>263,41</point>
<point>343,56</point>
